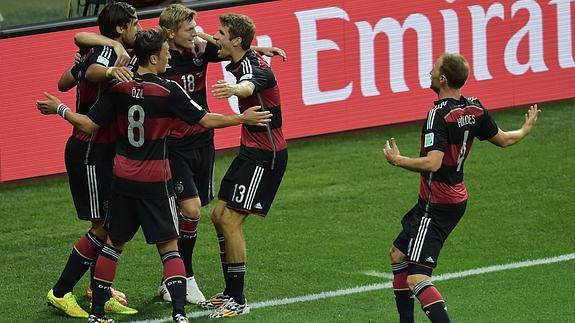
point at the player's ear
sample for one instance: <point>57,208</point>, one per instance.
<point>154,59</point>
<point>237,42</point>
<point>120,29</point>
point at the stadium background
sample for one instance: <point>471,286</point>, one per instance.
<point>341,75</point>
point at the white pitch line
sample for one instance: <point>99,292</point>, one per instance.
<point>373,287</point>
<point>379,274</point>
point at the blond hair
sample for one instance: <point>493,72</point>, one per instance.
<point>174,15</point>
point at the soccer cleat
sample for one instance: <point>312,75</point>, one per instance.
<point>95,319</point>
<point>121,297</point>
<point>66,304</point>
<point>181,319</point>
<point>114,306</point>
<point>214,302</point>
<point>193,293</point>
<point>163,292</point>
<point>230,309</point>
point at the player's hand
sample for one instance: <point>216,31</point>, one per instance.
<point>273,51</point>
<point>199,46</point>
<point>123,58</point>
<point>223,90</point>
<point>49,106</point>
<point>255,117</point>
<point>77,58</point>
<point>391,151</point>
<point>530,118</point>
<point>122,73</point>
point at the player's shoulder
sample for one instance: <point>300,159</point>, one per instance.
<point>472,101</point>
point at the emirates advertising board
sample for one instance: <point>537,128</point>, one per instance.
<point>351,65</point>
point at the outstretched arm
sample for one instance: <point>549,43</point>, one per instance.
<point>268,51</point>
<point>53,105</point>
<point>429,163</point>
<point>223,90</point>
<point>251,116</point>
<point>508,138</point>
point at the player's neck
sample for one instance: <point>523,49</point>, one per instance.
<point>449,93</point>
<point>238,55</point>
<point>147,70</point>
<point>173,46</point>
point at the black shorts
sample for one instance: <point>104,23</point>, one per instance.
<point>193,173</point>
<point>250,186</point>
<point>424,233</point>
<point>90,179</point>
<point>158,218</point>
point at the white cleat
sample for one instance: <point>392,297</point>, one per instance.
<point>193,294</point>
<point>163,292</point>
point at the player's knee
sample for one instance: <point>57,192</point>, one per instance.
<point>413,280</point>
<point>191,212</point>
<point>395,255</point>
<point>98,230</point>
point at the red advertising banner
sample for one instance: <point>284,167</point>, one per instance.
<point>351,65</point>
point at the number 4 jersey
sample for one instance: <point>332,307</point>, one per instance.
<point>143,111</point>
<point>450,127</point>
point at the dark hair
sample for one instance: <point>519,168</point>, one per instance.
<point>239,26</point>
<point>455,68</point>
<point>148,42</point>
<point>113,15</point>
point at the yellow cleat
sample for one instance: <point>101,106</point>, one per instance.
<point>121,297</point>
<point>66,304</point>
<point>114,306</point>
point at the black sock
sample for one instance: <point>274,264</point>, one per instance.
<point>81,258</point>
<point>174,277</point>
<point>236,273</point>
<point>186,243</point>
<point>403,295</point>
<point>104,274</point>
<point>431,302</point>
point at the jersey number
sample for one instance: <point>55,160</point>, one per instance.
<point>462,151</point>
<point>136,122</point>
<point>241,190</point>
<point>188,81</point>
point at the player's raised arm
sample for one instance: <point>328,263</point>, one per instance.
<point>53,105</point>
<point>270,51</point>
<point>508,138</point>
<point>89,39</point>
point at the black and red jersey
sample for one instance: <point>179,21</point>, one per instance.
<point>143,112</point>
<point>190,73</point>
<point>88,92</point>
<point>450,127</point>
<point>253,68</point>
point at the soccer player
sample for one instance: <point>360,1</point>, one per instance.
<point>143,111</point>
<point>191,147</point>
<point>446,140</point>
<point>89,157</point>
<point>253,178</point>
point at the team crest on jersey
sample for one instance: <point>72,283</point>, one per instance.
<point>179,188</point>
<point>198,61</point>
<point>428,140</point>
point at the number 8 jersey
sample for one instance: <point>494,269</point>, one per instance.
<point>450,127</point>
<point>143,111</point>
